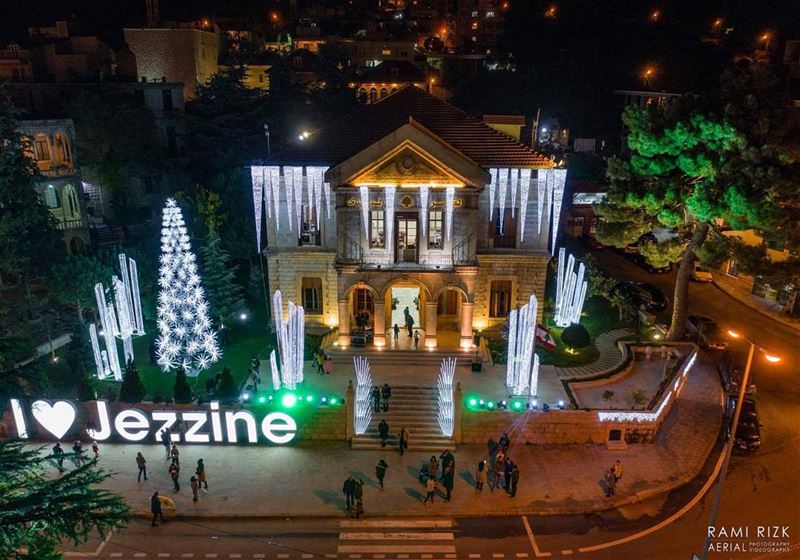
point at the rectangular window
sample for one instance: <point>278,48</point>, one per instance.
<point>376,229</point>
<point>309,234</point>
<point>42,150</point>
<point>312,295</point>
<point>507,236</point>
<point>447,303</point>
<point>500,298</point>
<point>435,229</point>
<point>362,301</point>
<point>166,99</point>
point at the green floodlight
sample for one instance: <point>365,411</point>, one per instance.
<point>333,400</point>
<point>472,402</point>
<point>517,405</point>
<point>289,400</point>
<point>262,399</point>
<point>490,405</point>
<point>309,398</point>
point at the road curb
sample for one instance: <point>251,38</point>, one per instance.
<point>759,310</point>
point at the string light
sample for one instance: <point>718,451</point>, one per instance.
<point>514,183</point>
<point>492,188</point>
<point>389,196</point>
<point>446,414</point>
<point>522,368</point>
<point>291,341</point>
<point>501,202</point>
<point>257,178</point>
<point>363,409</point>
<point>275,186</point>
<point>450,193</point>
<point>363,192</point>
<point>524,190</point>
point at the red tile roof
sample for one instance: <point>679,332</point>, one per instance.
<point>345,137</point>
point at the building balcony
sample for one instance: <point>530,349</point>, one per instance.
<point>70,224</point>
<point>352,255</point>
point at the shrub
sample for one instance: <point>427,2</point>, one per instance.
<point>227,386</point>
<point>576,336</point>
<point>639,397</point>
<point>182,392</point>
<point>132,390</point>
<point>608,394</point>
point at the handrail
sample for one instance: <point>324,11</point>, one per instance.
<point>351,250</point>
<point>463,253</point>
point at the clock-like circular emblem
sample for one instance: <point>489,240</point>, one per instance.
<point>406,165</point>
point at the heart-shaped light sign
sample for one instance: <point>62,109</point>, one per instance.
<point>56,418</point>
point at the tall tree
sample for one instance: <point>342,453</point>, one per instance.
<point>697,167</point>
<point>72,281</point>
<point>132,389</point>
<point>38,511</point>
<point>225,294</point>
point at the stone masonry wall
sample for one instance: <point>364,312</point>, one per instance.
<point>528,274</point>
<point>286,271</point>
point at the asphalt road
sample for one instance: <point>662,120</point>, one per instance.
<point>761,490</point>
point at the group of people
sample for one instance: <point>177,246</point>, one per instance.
<point>409,324</point>
<point>498,468</point>
<point>77,449</point>
<point>353,491</point>
<point>323,361</point>
<point>612,477</point>
<point>447,462</point>
<point>380,398</point>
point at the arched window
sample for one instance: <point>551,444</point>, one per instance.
<point>384,93</point>
<point>373,95</point>
<point>362,95</point>
<point>51,198</point>
<point>61,143</point>
<point>71,207</point>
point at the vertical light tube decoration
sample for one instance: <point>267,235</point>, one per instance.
<point>291,340</point>
<point>560,275</point>
<point>102,368</point>
<point>125,329</point>
<point>257,178</point>
<point>126,281</point>
<point>276,376</point>
<point>522,367</point>
<point>389,196</point>
<point>570,291</point>
<point>288,185</point>
<point>524,192</point>
<point>492,188</point>
<point>501,202</point>
<point>541,190</point>
<point>560,178</point>
<point>446,415</point>
<point>297,187</point>
<point>111,344</point>
<point>450,193</point>
<point>514,183</point>
<point>533,389</point>
<point>424,192</point>
<point>275,186</point>
<point>363,192</point>
<point>136,298</point>
<point>362,410</point>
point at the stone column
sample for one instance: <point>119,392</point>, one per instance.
<point>344,323</point>
<point>465,326</point>
<point>430,324</point>
<point>379,332</point>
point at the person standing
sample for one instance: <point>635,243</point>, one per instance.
<point>142,464</point>
<point>376,399</point>
<point>328,366</point>
<point>617,471</point>
<point>446,458</point>
<point>433,466</point>
<point>383,431</point>
<point>77,448</point>
<point>195,487</point>
<point>200,471</point>
<point>514,480</point>
<point>410,324</point>
<point>396,331</point>
<point>497,471</point>
<point>386,392</point>
<point>380,471</point>
<point>416,339</point>
<point>95,449</point>
<point>359,508</point>
<point>508,468</point>
<point>402,439</point>
<point>358,492</point>
<point>481,476</point>
<point>175,454</point>
<point>165,441</point>
<point>430,487</point>
<point>448,479</point>
<point>174,473</point>
<point>349,491</point>
<point>155,508</point>
<point>58,453</point>
<point>320,361</point>
<point>504,442</point>
<point>611,482</point>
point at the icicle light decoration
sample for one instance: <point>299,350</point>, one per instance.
<point>501,198</point>
<point>492,188</point>
<point>560,178</point>
<point>524,192</point>
<point>424,192</point>
<point>570,291</point>
<point>449,193</point>
<point>363,406</point>
<point>541,191</point>
<point>267,197</point>
<point>315,176</point>
<point>389,196</point>
<point>514,183</point>
<point>446,413</point>
<point>275,186</point>
<point>363,192</point>
<point>297,187</point>
<point>257,177</point>
<point>291,340</point>
<point>288,184</point>
<point>522,368</point>
<point>327,189</point>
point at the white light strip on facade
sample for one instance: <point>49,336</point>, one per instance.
<point>501,198</point>
<point>257,177</point>
<point>446,414</point>
<point>288,185</point>
<point>560,178</point>
<point>450,193</point>
<point>492,188</point>
<point>311,199</point>
<point>424,192</point>
<point>297,187</point>
<point>522,369</point>
<point>389,195</point>
<point>541,192</point>
<point>315,174</point>
<point>363,192</point>
<point>275,186</point>
<point>524,192</point>
<point>363,407</point>
<point>514,183</point>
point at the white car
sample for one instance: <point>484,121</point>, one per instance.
<point>700,274</point>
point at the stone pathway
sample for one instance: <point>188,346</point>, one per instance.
<point>610,356</point>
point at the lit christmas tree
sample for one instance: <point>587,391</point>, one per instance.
<point>185,334</point>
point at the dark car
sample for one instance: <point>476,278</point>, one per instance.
<point>645,296</point>
<point>748,432</point>
<point>731,370</point>
<point>706,332</point>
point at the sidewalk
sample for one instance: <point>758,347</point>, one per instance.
<point>305,480</point>
<point>744,295</point>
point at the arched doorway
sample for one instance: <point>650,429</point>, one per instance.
<point>406,303</point>
<point>453,317</point>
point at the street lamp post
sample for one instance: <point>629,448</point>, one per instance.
<point>729,447</point>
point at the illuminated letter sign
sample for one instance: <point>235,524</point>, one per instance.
<point>57,419</point>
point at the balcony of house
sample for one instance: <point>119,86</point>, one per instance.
<point>73,223</point>
<point>407,255</point>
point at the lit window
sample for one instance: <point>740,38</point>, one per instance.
<point>384,92</point>
<point>435,229</point>
<point>51,197</point>
<point>312,295</point>
<point>474,25</point>
<point>362,302</point>
<point>475,13</point>
<point>500,298</point>
<point>474,39</point>
<point>489,14</point>
<point>376,235</point>
<point>73,210</point>
<point>62,147</point>
<point>386,52</point>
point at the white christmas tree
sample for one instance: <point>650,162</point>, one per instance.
<point>185,334</point>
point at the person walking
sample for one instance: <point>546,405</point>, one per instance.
<point>514,480</point>
<point>165,441</point>
<point>58,453</point>
<point>200,471</point>
<point>155,508</point>
<point>481,476</point>
<point>497,471</point>
<point>174,473</point>
<point>402,439</point>
<point>142,464</point>
<point>383,431</point>
<point>359,508</point>
<point>320,361</point>
<point>328,365</point>
<point>504,442</point>
<point>433,466</point>
<point>508,468</point>
<point>416,340</point>
<point>410,324</point>
<point>349,491</point>
<point>396,331</point>
<point>358,492</point>
<point>195,487</point>
<point>611,482</point>
<point>386,392</point>
<point>430,487</point>
<point>376,399</point>
<point>95,449</point>
<point>617,471</point>
<point>380,471</point>
<point>175,454</point>
<point>448,479</point>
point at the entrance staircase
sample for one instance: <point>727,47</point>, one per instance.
<point>416,408</point>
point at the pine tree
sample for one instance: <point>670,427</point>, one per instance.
<point>181,391</point>
<point>227,386</point>
<point>185,334</point>
<point>38,511</point>
<point>224,293</point>
<point>132,390</point>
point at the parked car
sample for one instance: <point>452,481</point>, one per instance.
<point>642,261</point>
<point>646,296</point>
<point>748,432</point>
<point>701,274</point>
<point>706,332</point>
<point>731,370</point>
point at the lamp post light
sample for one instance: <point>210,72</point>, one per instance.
<point>771,358</point>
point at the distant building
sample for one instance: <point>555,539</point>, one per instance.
<point>186,54</point>
<point>369,54</point>
<point>479,25</point>
<point>52,146</point>
<point>579,218</point>
<point>256,75</point>
<point>386,77</point>
<point>511,125</point>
